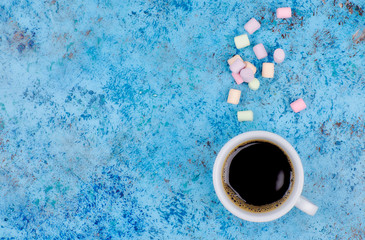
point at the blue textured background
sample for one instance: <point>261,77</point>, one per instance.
<point>112,113</point>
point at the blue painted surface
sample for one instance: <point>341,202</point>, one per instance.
<point>112,113</point>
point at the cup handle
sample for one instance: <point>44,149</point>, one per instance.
<point>306,206</point>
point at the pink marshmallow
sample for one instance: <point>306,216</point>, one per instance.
<point>283,12</point>
<point>237,78</point>
<point>298,105</point>
<point>237,66</point>
<point>247,75</point>
<point>252,26</point>
<point>279,55</point>
<point>260,51</point>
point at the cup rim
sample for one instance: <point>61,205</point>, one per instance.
<point>297,185</point>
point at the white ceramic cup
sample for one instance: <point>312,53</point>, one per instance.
<point>294,198</point>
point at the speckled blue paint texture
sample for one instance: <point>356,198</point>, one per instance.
<point>112,113</point>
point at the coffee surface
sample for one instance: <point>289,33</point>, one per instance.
<point>259,173</point>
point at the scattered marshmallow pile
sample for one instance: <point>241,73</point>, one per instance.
<point>244,71</point>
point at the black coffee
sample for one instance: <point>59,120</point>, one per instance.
<point>258,173</point>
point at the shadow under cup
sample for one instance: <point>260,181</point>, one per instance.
<point>235,197</point>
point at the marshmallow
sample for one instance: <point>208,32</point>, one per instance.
<point>254,84</point>
<point>279,55</point>
<point>252,26</point>
<point>298,105</point>
<point>241,41</point>
<point>234,58</point>
<point>247,74</point>
<point>245,116</point>
<point>268,70</point>
<point>237,78</point>
<point>283,12</point>
<point>237,66</point>
<point>234,96</point>
<point>251,66</point>
<point>260,51</point>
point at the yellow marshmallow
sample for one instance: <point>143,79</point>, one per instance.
<point>245,116</point>
<point>241,41</point>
